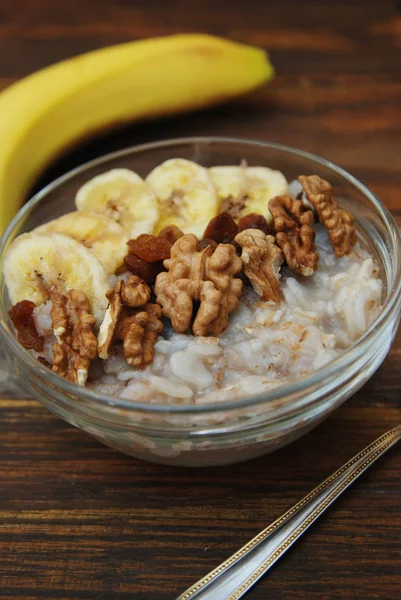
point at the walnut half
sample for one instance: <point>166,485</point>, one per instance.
<point>206,277</point>
<point>139,333</point>
<point>294,234</point>
<point>339,223</point>
<point>131,319</point>
<point>262,261</point>
<point>73,326</point>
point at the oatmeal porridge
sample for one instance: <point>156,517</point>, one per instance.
<point>152,292</point>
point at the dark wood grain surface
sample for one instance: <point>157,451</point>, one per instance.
<point>78,520</point>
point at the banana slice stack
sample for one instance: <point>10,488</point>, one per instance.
<point>84,249</point>
<point>189,195</point>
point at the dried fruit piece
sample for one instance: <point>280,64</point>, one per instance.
<point>44,362</point>
<point>29,339</point>
<point>205,277</point>
<point>171,233</point>
<point>21,314</point>
<point>339,223</point>
<point>262,261</point>
<point>294,234</point>
<point>254,221</point>
<point>147,252</point>
<point>150,248</point>
<point>222,229</point>
<point>144,270</point>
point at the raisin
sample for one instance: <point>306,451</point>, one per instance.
<point>21,314</point>
<point>30,340</point>
<point>144,270</point>
<point>44,362</point>
<point>147,252</point>
<point>150,248</point>
<point>171,233</point>
<point>222,229</point>
<point>254,221</point>
<point>202,244</point>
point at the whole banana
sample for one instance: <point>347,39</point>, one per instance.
<point>51,109</point>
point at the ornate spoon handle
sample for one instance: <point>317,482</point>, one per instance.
<point>235,576</point>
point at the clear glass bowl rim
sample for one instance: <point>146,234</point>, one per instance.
<point>249,401</point>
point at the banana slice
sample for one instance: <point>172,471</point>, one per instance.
<point>105,238</point>
<point>243,190</point>
<point>187,197</point>
<point>36,262</point>
<point>123,196</point>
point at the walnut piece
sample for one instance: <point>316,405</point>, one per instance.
<point>139,333</point>
<point>262,261</point>
<point>135,292</point>
<point>294,233</point>
<point>131,319</point>
<point>73,326</point>
<point>339,223</point>
<point>206,277</point>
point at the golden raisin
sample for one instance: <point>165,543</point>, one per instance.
<point>147,252</point>
<point>171,233</point>
<point>150,247</point>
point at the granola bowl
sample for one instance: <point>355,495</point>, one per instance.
<point>220,431</point>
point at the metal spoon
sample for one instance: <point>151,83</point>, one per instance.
<point>235,576</point>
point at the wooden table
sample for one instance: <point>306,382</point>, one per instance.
<point>79,520</point>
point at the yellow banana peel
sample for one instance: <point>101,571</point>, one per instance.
<point>51,109</point>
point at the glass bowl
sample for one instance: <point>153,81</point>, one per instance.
<point>233,431</point>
